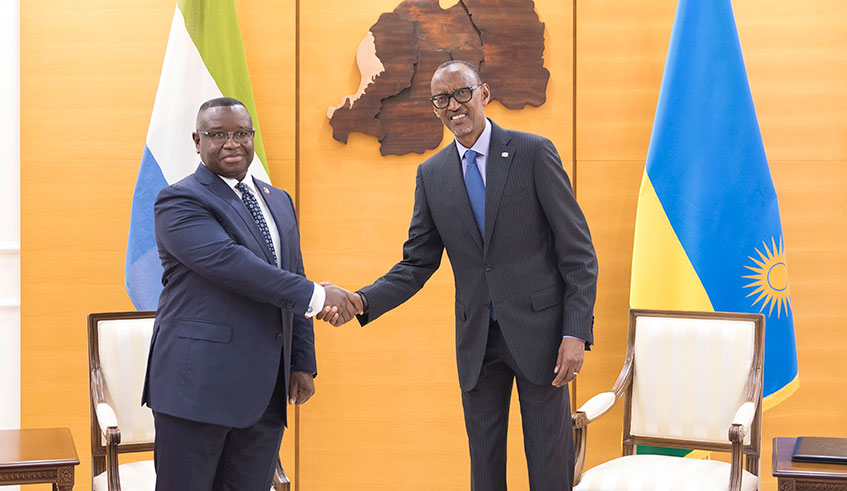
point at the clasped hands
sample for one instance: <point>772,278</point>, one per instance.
<point>340,305</point>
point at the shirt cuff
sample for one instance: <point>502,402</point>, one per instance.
<point>574,337</point>
<point>316,304</point>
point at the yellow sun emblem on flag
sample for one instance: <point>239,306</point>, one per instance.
<point>770,278</point>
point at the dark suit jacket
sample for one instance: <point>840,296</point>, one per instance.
<point>536,263</point>
<point>227,316</point>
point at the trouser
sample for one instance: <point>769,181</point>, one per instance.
<point>545,414</point>
<point>194,456</point>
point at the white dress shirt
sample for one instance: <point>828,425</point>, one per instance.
<point>480,146</point>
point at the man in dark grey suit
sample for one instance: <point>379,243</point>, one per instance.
<point>501,204</point>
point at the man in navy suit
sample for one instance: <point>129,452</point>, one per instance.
<point>499,202</point>
<point>233,334</point>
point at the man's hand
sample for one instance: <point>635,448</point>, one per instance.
<point>340,305</point>
<point>569,362</point>
<point>301,388</point>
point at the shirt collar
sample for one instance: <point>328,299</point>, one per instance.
<point>232,182</point>
<point>481,144</point>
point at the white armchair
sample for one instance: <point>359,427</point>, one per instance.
<point>690,380</point>
<point>118,344</point>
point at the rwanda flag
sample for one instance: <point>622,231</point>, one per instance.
<point>204,60</point>
<point>707,233</point>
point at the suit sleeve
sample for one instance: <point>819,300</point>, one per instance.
<point>422,253</point>
<point>303,334</point>
<point>187,229</point>
<point>577,261</point>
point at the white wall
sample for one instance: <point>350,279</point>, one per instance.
<point>10,217</point>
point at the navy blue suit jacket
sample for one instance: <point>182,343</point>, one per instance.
<point>228,316</point>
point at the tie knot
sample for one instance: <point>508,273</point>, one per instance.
<point>242,187</point>
<point>470,156</point>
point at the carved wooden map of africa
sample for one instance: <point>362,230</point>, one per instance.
<point>397,57</point>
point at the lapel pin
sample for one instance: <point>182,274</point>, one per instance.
<point>267,191</point>
<point>504,154</point>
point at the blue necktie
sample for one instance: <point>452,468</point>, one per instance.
<point>476,194</point>
<point>253,205</point>
<point>476,190</point>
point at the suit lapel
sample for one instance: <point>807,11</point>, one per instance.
<point>220,188</point>
<point>500,154</point>
<point>456,188</point>
<point>277,208</point>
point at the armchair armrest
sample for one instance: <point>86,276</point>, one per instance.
<point>108,423</point>
<point>739,429</point>
<point>106,417</point>
<point>742,420</point>
<point>593,408</point>
<point>598,405</point>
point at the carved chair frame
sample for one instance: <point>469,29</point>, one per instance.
<point>736,434</point>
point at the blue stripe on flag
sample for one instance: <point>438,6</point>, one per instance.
<point>708,166</point>
<point>143,268</point>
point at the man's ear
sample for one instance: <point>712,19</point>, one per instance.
<point>196,137</point>
<point>486,94</point>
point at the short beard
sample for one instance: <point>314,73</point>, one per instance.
<point>463,131</point>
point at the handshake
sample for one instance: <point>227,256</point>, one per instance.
<point>340,305</point>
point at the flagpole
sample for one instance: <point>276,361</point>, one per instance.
<point>573,154</point>
<point>297,204</point>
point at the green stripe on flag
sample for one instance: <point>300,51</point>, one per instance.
<point>213,26</point>
<point>651,450</point>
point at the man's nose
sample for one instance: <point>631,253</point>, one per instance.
<point>230,141</point>
<point>454,105</point>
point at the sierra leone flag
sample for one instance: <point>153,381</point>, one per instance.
<point>204,60</point>
<point>708,235</point>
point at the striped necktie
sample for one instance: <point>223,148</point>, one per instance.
<point>252,204</point>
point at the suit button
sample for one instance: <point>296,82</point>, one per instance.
<point>488,267</point>
<point>279,335</point>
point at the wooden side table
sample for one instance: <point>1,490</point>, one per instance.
<point>802,476</point>
<point>38,456</point>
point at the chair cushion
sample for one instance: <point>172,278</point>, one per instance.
<point>659,472</point>
<point>136,476</point>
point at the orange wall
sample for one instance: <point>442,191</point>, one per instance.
<point>387,414</point>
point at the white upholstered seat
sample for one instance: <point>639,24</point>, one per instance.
<point>693,380</point>
<point>659,472</point>
<point>135,476</point>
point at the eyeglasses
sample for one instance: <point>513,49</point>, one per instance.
<point>462,96</point>
<point>221,137</point>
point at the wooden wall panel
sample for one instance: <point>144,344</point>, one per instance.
<point>608,195</point>
<point>89,72</point>
<point>621,48</point>
<point>797,66</point>
<point>813,206</point>
<point>87,86</point>
<point>387,414</point>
